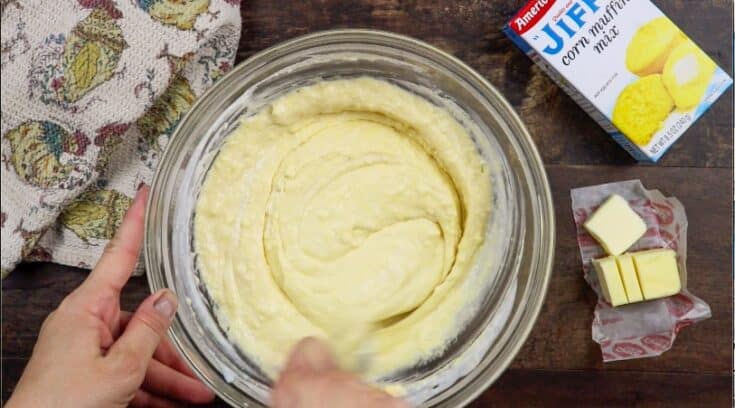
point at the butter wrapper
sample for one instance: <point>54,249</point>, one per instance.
<point>649,328</point>
<point>625,63</point>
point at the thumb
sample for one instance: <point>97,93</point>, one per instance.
<point>310,354</point>
<point>146,328</point>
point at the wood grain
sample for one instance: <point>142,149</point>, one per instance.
<point>701,352</point>
<point>559,365</point>
<point>705,347</point>
<point>554,388</point>
<point>33,290</point>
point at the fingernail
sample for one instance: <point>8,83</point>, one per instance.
<point>138,200</point>
<point>166,304</point>
<point>140,193</point>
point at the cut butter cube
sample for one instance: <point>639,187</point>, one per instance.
<point>658,273</point>
<point>610,282</point>
<point>629,277</point>
<point>615,225</point>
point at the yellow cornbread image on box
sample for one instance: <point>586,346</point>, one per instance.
<point>610,282</point>
<point>687,74</point>
<point>629,66</point>
<point>658,273</point>
<point>642,108</point>
<point>651,46</point>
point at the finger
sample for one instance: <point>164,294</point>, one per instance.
<point>125,317</point>
<point>165,352</point>
<point>167,382</point>
<point>312,378</point>
<point>310,354</point>
<point>309,360</point>
<point>121,254</point>
<point>331,388</point>
<point>144,399</point>
<point>146,328</point>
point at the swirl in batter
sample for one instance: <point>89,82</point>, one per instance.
<point>349,210</point>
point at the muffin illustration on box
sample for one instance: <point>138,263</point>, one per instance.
<point>630,67</point>
<point>674,74</point>
<point>651,46</point>
<point>687,73</point>
<point>642,107</point>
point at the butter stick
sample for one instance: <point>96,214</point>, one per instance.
<point>638,276</point>
<point>612,286</point>
<point>658,273</point>
<point>628,274</point>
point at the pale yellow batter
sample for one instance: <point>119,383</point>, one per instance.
<point>349,210</point>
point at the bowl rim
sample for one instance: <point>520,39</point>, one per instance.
<point>545,260</point>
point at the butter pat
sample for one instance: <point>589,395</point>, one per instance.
<point>628,274</point>
<point>615,225</point>
<point>612,286</point>
<point>638,276</point>
<point>658,273</point>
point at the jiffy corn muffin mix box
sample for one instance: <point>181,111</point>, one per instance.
<point>623,61</point>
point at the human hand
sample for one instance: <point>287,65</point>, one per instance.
<point>311,379</point>
<point>89,353</point>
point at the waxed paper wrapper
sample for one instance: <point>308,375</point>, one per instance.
<point>648,328</point>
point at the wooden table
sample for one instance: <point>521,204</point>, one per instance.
<point>559,364</point>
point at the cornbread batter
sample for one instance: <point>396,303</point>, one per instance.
<point>349,210</point>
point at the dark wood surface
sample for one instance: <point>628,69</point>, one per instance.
<point>559,364</point>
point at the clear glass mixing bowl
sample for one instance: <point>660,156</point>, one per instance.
<point>521,229</point>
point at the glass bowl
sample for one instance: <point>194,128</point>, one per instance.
<point>517,256</point>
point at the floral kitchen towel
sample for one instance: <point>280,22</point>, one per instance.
<point>91,91</point>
